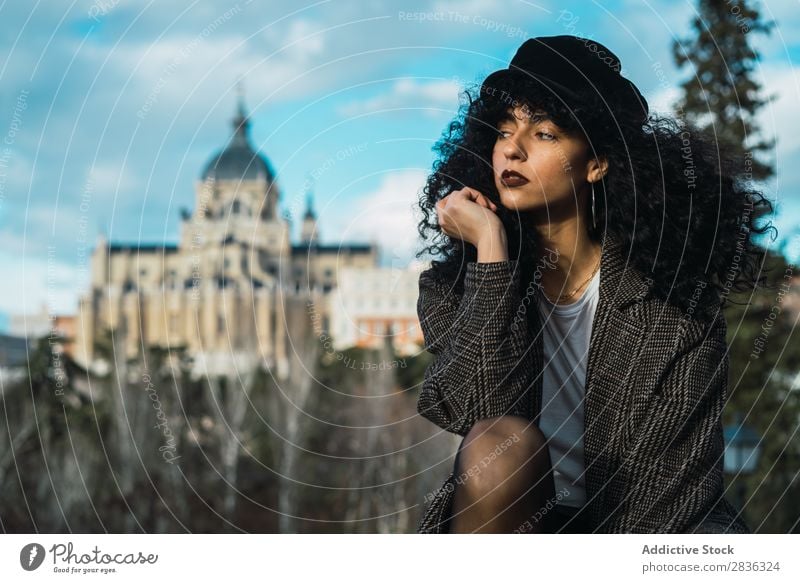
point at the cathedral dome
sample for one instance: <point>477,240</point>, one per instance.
<point>238,160</point>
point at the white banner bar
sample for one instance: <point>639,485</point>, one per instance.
<point>401,558</point>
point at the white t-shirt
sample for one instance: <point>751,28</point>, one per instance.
<point>567,330</point>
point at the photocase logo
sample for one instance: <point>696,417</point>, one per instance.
<point>31,556</point>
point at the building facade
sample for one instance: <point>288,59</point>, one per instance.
<point>233,288</point>
<point>371,304</point>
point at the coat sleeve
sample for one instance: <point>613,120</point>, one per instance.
<point>674,468</point>
<point>480,345</point>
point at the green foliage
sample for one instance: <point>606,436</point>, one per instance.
<point>722,97</point>
<point>721,94</point>
<point>764,349</point>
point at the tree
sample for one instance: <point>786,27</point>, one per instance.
<point>50,444</point>
<point>764,360</point>
<point>722,96</point>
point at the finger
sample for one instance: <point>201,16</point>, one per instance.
<point>487,203</point>
<point>462,194</point>
<point>473,194</point>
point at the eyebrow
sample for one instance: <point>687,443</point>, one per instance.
<point>534,119</point>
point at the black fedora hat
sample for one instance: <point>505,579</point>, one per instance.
<point>578,70</point>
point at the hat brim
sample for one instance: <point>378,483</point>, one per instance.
<point>500,80</point>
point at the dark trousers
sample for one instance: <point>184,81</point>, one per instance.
<point>568,520</point>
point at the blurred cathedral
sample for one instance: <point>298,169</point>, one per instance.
<point>234,288</point>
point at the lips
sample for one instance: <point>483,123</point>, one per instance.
<point>512,179</point>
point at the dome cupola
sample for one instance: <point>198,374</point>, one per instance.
<point>238,160</point>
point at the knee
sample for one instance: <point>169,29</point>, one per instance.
<point>506,432</point>
<point>497,446</point>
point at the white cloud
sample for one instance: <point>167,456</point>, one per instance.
<point>37,281</point>
<point>777,119</point>
<point>303,40</point>
<point>780,118</point>
<point>409,93</point>
<point>109,178</point>
<point>16,173</point>
<point>466,7</point>
<point>385,215</point>
<point>508,11</point>
<point>786,30</point>
<point>662,101</point>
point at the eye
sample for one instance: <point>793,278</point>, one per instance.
<point>546,136</point>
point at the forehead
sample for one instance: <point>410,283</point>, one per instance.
<point>523,114</point>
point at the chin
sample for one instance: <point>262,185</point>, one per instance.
<point>517,199</point>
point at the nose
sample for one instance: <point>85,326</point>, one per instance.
<point>512,149</point>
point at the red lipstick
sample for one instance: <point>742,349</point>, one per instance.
<point>512,179</point>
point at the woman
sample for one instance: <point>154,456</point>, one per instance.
<point>575,316</point>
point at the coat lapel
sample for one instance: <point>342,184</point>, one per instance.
<point>621,287</point>
<point>618,333</point>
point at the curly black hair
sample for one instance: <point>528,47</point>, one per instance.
<point>682,203</point>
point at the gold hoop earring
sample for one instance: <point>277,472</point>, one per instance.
<point>594,222</point>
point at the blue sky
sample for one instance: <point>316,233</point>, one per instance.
<point>111,109</point>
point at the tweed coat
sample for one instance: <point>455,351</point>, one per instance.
<point>656,383</point>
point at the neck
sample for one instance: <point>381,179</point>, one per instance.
<point>569,254</point>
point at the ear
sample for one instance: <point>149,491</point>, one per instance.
<point>596,169</point>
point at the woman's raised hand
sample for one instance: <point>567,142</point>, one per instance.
<point>468,215</point>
